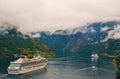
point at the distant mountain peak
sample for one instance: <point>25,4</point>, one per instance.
<point>98,37</point>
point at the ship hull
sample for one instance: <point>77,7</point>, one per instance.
<point>23,71</point>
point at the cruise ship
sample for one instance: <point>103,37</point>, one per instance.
<point>25,65</point>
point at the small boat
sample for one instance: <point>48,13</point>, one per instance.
<point>25,65</point>
<point>93,67</point>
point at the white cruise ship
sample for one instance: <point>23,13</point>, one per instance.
<point>25,65</point>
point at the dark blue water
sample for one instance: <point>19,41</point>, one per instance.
<point>66,68</point>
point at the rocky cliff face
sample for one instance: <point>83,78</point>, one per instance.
<point>96,37</point>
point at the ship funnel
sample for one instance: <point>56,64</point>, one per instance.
<point>26,56</point>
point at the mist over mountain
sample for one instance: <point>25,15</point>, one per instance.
<point>101,37</point>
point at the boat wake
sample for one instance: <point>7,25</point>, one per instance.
<point>93,68</point>
<point>94,72</point>
<point>81,69</point>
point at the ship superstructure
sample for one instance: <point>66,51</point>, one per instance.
<point>94,56</point>
<point>24,65</point>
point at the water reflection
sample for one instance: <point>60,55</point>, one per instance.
<point>71,68</point>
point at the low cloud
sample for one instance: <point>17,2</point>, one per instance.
<point>113,34</point>
<point>36,35</point>
<point>105,28</point>
<point>51,15</point>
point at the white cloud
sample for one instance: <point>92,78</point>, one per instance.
<point>35,35</point>
<point>113,34</point>
<point>4,27</point>
<point>92,30</point>
<point>105,28</point>
<point>50,15</point>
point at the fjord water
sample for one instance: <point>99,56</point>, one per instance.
<point>66,68</point>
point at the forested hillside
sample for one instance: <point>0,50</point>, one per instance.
<point>14,43</point>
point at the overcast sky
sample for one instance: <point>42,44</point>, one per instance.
<point>37,15</point>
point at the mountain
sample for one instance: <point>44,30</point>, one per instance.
<point>14,43</point>
<point>100,37</point>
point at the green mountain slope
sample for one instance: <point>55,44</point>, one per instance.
<point>118,67</point>
<point>14,43</point>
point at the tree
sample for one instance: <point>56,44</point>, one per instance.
<point>24,50</point>
<point>118,67</point>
